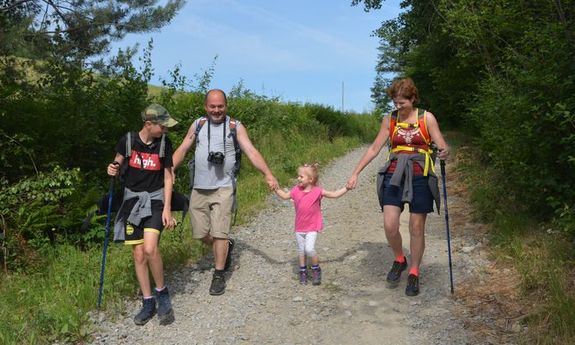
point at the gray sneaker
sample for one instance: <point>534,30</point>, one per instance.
<point>165,311</point>
<point>316,276</point>
<point>147,312</point>
<point>303,277</point>
<point>218,286</point>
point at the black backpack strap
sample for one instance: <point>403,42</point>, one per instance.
<point>130,142</point>
<point>128,145</point>
<point>237,165</point>
<point>163,146</point>
<point>199,125</point>
<point>192,163</point>
<point>237,148</point>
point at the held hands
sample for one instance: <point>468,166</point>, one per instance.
<point>272,182</point>
<point>281,193</point>
<point>351,183</point>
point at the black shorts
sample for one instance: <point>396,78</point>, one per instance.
<point>153,223</point>
<point>422,201</point>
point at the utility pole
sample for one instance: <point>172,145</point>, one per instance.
<point>342,98</point>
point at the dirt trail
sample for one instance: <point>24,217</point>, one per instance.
<point>265,304</point>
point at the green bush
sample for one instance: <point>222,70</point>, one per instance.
<point>532,144</point>
<point>541,252</point>
<point>31,211</point>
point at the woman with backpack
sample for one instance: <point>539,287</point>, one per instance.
<point>407,177</point>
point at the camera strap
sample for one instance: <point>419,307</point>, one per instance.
<point>209,134</point>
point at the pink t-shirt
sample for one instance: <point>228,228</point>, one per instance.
<point>307,209</point>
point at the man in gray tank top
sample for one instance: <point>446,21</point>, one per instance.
<point>213,191</point>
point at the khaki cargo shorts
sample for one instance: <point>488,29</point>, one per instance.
<point>211,212</point>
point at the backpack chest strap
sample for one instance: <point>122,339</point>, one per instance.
<point>421,124</point>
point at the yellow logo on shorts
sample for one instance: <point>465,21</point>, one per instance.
<point>129,229</point>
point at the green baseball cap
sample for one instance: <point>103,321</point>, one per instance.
<point>158,114</point>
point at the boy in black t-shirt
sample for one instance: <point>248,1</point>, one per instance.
<point>146,209</point>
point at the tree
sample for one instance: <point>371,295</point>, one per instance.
<point>417,44</point>
<point>62,108</point>
<point>53,78</point>
<point>504,69</point>
<point>76,29</point>
<point>369,4</point>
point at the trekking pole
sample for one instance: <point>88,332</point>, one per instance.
<point>106,238</point>
<point>442,164</point>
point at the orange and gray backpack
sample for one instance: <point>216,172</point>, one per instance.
<point>427,150</point>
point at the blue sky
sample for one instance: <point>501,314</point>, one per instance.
<point>300,51</point>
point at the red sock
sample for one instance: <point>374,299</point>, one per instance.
<point>414,271</point>
<point>400,259</point>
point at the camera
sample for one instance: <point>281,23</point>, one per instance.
<point>216,158</point>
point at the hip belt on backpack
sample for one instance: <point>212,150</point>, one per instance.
<point>427,153</point>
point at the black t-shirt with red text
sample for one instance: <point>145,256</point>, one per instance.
<point>145,171</point>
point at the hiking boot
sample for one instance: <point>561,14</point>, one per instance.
<point>395,273</point>
<point>412,288</point>
<point>316,276</point>
<point>218,286</point>
<point>303,277</point>
<point>231,244</point>
<point>165,311</point>
<point>147,312</point>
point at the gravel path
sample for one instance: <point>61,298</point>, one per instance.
<point>265,304</point>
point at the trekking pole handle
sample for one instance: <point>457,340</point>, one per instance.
<point>115,165</point>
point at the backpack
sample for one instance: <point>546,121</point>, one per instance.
<point>234,134</point>
<point>130,142</point>
<point>237,148</point>
<point>180,202</point>
<point>236,168</point>
<point>421,124</point>
<point>429,152</point>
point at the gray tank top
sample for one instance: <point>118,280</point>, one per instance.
<point>208,175</point>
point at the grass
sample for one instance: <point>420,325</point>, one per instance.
<point>544,260</point>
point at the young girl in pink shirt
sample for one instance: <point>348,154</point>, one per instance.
<point>306,196</point>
